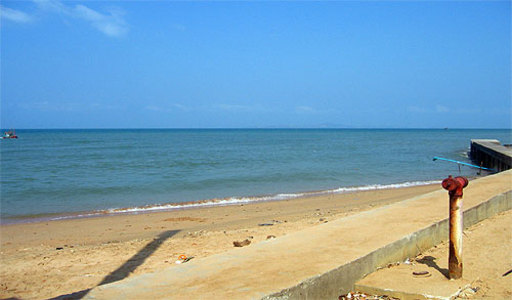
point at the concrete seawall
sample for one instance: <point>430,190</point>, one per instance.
<point>323,261</point>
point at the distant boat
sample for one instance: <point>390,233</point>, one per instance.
<point>11,134</point>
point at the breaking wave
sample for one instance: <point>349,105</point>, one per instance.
<point>244,200</point>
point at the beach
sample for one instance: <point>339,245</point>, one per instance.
<point>247,149</point>
<point>48,259</point>
<point>146,197</point>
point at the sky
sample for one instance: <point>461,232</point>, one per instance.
<point>248,64</point>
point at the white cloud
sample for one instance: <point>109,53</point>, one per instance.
<point>436,109</point>
<point>305,109</point>
<point>14,15</point>
<point>64,106</point>
<point>180,106</point>
<point>51,5</point>
<point>167,108</point>
<point>153,108</point>
<point>468,110</point>
<point>111,23</point>
<point>442,109</point>
<point>416,109</point>
<point>237,107</point>
<point>179,27</point>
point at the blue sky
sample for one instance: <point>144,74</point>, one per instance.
<point>168,64</point>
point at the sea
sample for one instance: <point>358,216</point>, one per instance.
<point>59,174</point>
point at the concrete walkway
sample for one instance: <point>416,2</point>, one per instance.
<point>319,262</point>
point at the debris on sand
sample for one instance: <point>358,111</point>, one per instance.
<point>183,259</point>
<point>242,243</point>
<point>363,296</point>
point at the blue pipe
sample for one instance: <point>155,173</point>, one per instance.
<point>463,163</point>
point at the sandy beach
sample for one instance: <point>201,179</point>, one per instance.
<point>48,259</point>
<point>248,149</point>
<point>486,272</point>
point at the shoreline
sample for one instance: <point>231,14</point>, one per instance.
<point>48,259</point>
<point>167,207</point>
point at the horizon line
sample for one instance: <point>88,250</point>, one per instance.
<point>256,128</point>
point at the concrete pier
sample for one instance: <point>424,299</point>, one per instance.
<point>491,154</point>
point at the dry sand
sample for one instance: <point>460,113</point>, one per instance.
<point>487,267</point>
<point>48,259</point>
<point>487,257</point>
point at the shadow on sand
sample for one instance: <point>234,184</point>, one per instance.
<point>128,267</point>
<point>430,261</point>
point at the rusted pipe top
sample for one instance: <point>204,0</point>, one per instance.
<point>455,185</point>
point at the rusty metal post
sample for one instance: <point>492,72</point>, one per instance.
<point>454,187</point>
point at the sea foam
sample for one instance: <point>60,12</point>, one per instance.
<point>252,199</point>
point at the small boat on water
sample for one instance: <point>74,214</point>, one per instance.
<point>10,134</point>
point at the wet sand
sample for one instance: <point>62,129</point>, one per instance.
<point>48,259</point>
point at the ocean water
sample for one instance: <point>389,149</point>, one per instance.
<point>61,173</point>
